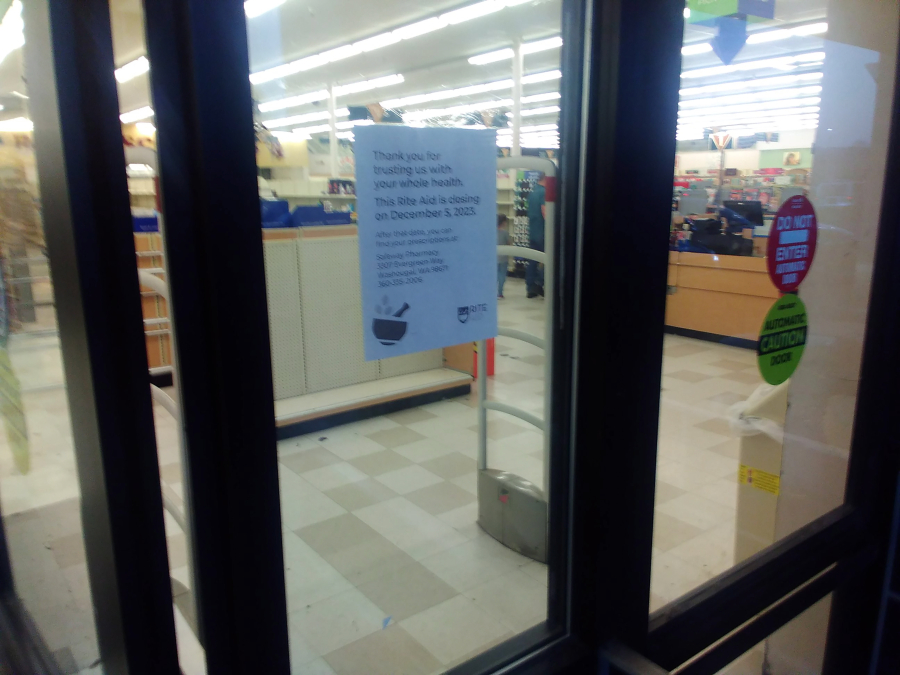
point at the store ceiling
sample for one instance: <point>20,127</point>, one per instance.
<point>435,61</point>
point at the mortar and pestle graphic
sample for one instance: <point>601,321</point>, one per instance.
<point>389,331</point>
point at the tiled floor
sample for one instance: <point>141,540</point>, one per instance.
<point>385,566</point>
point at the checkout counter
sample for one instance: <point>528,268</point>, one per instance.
<point>718,286</point>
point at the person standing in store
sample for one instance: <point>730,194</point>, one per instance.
<point>502,260</point>
<point>537,208</point>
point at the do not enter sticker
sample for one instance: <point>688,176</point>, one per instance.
<point>782,339</point>
<point>792,243</point>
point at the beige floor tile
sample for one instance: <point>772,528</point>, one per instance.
<point>730,448</point>
<point>309,459</point>
<point>349,446</point>
<point>393,438</point>
<point>468,482</point>
<point>369,560</point>
<point>440,498</point>
<point>337,621</point>
<point>669,532</point>
<point>408,479</point>
<point>697,511</point>
<point>337,534</point>
<point>473,563</point>
<point>424,450</point>
<point>744,377</point>
<point>453,628</point>
<point>407,591</point>
<point>308,577</point>
<point>68,550</point>
<point>684,349</point>
<point>410,528</point>
<point>361,494</point>
<point>450,466</point>
<point>665,492</point>
<point>712,551</point>
<point>516,599</point>
<point>671,577</point>
<point>688,376</point>
<point>171,473</point>
<point>682,475</point>
<point>498,429</point>
<point>380,462</point>
<point>728,398</point>
<point>333,475</point>
<point>723,491</point>
<point>411,415</point>
<point>718,425</point>
<point>392,651</point>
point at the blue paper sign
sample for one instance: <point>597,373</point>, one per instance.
<point>427,237</point>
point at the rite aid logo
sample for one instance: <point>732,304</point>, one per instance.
<point>471,312</point>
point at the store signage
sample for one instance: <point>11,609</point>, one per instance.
<point>792,243</point>
<point>782,339</point>
<point>427,237</point>
<point>703,11</point>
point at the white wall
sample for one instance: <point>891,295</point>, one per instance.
<point>743,159</point>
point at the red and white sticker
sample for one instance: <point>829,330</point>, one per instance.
<point>792,243</point>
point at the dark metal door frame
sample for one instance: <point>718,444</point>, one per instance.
<point>620,97</point>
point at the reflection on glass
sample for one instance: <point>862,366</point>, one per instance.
<point>796,647</point>
<point>385,561</point>
<point>771,109</point>
<point>39,495</point>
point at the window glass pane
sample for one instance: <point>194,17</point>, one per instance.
<point>774,111</point>
<point>798,647</point>
<point>39,492</point>
<point>387,559</point>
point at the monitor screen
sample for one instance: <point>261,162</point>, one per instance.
<point>751,210</point>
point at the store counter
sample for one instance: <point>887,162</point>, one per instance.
<point>719,295</point>
<point>319,369</point>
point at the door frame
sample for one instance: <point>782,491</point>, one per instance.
<point>611,304</point>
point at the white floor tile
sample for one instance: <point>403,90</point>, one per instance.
<point>453,628</point>
<point>410,528</point>
<point>408,479</point>
<point>337,621</point>
<point>333,476</point>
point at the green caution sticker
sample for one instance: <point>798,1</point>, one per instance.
<point>782,339</point>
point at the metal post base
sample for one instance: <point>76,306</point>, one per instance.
<point>514,512</point>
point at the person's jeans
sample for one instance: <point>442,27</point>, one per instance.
<point>534,276</point>
<point>502,268</point>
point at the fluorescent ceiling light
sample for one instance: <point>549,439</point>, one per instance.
<point>17,124</point>
<point>492,57</point>
<point>531,129</point>
<point>545,110</point>
<point>12,30</point>
<point>687,13</point>
<point>699,48</point>
<point>456,110</point>
<point>402,33</point>
<point>132,69</point>
<point>136,115</point>
<point>508,53</point>
<point>542,77</point>
<point>344,134</point>
<point>750,107</point>
<point>19,94</point>
<point>719,120</point>
<point>551,96</point>
<point>254,8</point>
<point>366,85</point>
<point>784,33</point>
<point>759,37</point>
<point>322,94</point>
<point>742,85</point>
<point>754,97</point>
<point>444,94</point>
<point>321,128</point>
<point>146,128</point>
<point>300,119</point>
<point>293,101</point>
<point>778,62</point>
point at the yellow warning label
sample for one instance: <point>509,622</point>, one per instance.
<point>761,480</point>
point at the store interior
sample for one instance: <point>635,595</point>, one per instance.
<point>385,561</point>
